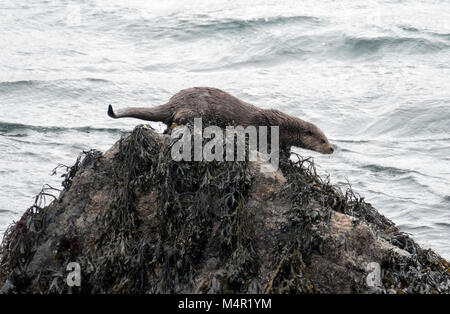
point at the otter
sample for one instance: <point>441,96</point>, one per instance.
<point>213,103</point>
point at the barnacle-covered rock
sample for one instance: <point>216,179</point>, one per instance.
<point>138,222</point>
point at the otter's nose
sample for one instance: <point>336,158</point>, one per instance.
<point>331,149</point>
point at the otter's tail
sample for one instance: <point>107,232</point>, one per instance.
<point>158,113</point>
<point>111,112</point>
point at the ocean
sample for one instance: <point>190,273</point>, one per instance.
<point>373,75</point>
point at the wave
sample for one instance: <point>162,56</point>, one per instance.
<point>7,211</point>
<point>414,228</point>
<point>389,170</point>
<point>17,83</point>
<point>204,27</point>
<point>264,57</point>
<point>26,83</point>
<point>361,46</point>
<point>442,224</point>
<point>407,176</point>
<point>402,174</point>
<point>415,30</point>
<point>383,141</point>
<point>7,127</point>
<point>421,119</point>
<point>274,50</point>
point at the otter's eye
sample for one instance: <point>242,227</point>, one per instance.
<point>322,141</point>
<point>309,133</point>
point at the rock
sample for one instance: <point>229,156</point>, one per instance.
<point>137,222</point>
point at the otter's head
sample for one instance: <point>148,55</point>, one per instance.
<point>311,137</point>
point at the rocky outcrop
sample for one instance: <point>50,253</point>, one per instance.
<point>138,222</point>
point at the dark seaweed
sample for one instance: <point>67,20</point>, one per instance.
<point>192,198</point>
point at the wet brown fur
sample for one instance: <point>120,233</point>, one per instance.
<point>213,103</point>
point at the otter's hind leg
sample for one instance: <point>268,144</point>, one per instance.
<point>184,116</point>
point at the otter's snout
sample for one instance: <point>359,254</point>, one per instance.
<point>327,150</point>
<point>331,149</point>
